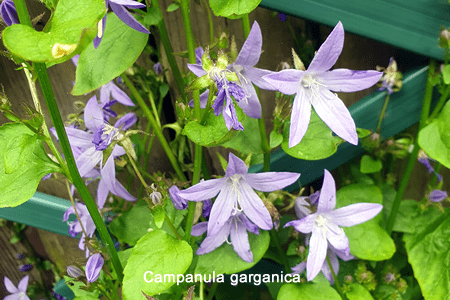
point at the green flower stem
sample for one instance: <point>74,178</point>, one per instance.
<point>383,111</point>
<point>49,97</point>
<point>413,157</point>
<point>169,52</point>
<point>336,282</point>
<point>156,129</point>
<point>212,291</point>
<point>442,101</point>
<point>210,21</point>
<point>261,124</point>
<point>185,10</point>
<point>151,98</point>
<point>284,260</point>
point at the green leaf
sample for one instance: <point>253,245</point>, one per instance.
<point>428,254</point>
<point>233,8</point>
<point>446,74</point>
<point>159,253</point>
<point>318,142</point>
<point>248,141</point>
<point>411,218</point>
<point>370,165</point>
<point>358,292</point>
<point>225,260</point>
<point>71,28</point>
<point>76,287</point>
<point>275,139</point>
<point>173,7</point>
<point>120,47</point>
<point>367,240</point>
<point>23,163</point>
<point>158,215</point>
<point>214,132</point>
<point>308,291</point>
<point>362,133</point>
<point>434,139</point>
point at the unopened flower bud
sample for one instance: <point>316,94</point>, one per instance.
<point>25,268</point>
<point>8,12</point>
<point>157,68</point>
<point>74,272</point>
<point>93,267</point>
<point>155,196</point>
<point>437,196</point>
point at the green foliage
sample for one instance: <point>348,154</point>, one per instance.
<point>173,7</point>
<point>233,9</point>
<point>275,139</point>
<point>434,139</point>
<point>225,260</point>
<point>358,292</point>
<point>72,27</point>
<point>79,289</point>
<point>428,253</point>
<point>370,165</point>
<point>411,218</point>
<point>214,132</point>
<point>308,291</point>
<point>171,256</point>
<point>23,163</point>
<point>119,49</point>
<point>318,142</point>
<point>446,74</point>
<point>367,240</point>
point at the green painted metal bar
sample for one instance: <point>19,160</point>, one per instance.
<point>411,25</point>
<point>402,112</point>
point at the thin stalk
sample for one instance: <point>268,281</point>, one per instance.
<point>185,11</point>
<point>50,100</point>
<point>151,98</point>
<point>441,102</point>
<point>261,124</point>
<point>201,290</point>
<point>172,227</point>
<point>156,129</point>
<point>336,282</point>
<point>383,111</point>
<point>212,291</point>
<point>169,52</point>
<point>210,21</point>
<point>284,260</point>
<point>413,157</point>
<point>433,180</point>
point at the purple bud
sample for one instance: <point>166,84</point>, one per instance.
<point>282,17</point>
<point>74,272</point>
<point>155,197</point>
<point>207,205</point>
<point>157,68</point>
<point>8,12</point>
<point>25,268</point>
<point>437,195</point>
<point>20,256</point>
<point>177,201</point>
<point>93,267</point>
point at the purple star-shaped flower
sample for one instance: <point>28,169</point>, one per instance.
<point>75,226</point>
<point>19,292</point>
<point>119,8</point>
<point>324,225</point>
<point>236,194</point>
<point>314,86</point>
<point>236,228</point>
<point>8,12</point>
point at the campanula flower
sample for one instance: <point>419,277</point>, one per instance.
<point>8,12</point>
<point>119,7</point>
<point>392,78</point>
<point>424,159</point>
<point>93,267</point>
<point>236,228</point>
<point>19,292</point>
<point>75,226</point>
<point>313,88</point>
<point>437,195</point>
<point>236,194</point>
<point>177,201</point>
<point>74,272</point>
<point>324,225</point>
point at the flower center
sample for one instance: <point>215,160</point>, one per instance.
<point>310,83</point>
<point>235,181</point>
<point>322,223</point>
<point>104,136</point>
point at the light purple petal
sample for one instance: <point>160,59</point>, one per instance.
<point>250,104</point>
<point>301,207</point>
<point>10,287</point>
<point>345,80</point>
<point>304,225</point>
<point>203,190</point>
<point>178,202</point>
<point>197,69</point>
<point>256,75</point>
<point>211,242</point>
<point>327,200</point>
<point>286,81</point>
<point>329,51</point>
<point>79,138</point>
<point>23,284</point>
<point>299,268</point>
<point>203,100</point>
<point>337,238</point>
<point>88,160</point>
<point>127,18</point>
<point>222,209</point>
<point>355,214</point>
<point>102,193</point>
<point>75,59</point>
<point>235,166</point>
<point>126,121</point>
<point>253,207</point>
<point>270,181</point>
<point>119,190</point>
<point>300,117</point>
<point>317,253</point>
<point>335,114</point>
<point>199,229</point>
<point>109,177</point>
<point>128,3</point>
<point>118,151</point>
<point>93,267</point>
<point>251,50</point>
<point>105,93</point>
<point>239,240</point>
<point>119,95</point>
<point>334,263</point>
<point>93,115</point>
<point>249,225</point>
